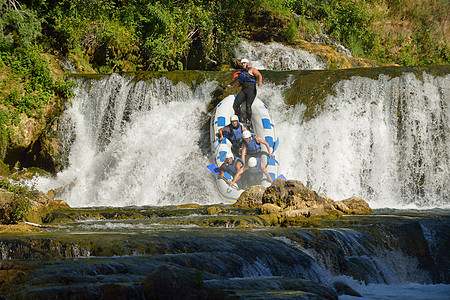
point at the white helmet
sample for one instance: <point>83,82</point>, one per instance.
<point>252,162</point>
<point>246,134</point>
<point>244,60</point>
<point>234,118</point>
<point>229,155</point>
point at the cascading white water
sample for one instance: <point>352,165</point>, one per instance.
<point>135,144</point>
<point>138,143</point>
<point>263,57</point>
<point>384,140</point>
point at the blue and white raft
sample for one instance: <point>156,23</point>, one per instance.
<point>262,127</point>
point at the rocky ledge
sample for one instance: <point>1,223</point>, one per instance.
<point>284,203</point>
<point>289,201</point>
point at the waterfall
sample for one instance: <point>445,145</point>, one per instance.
<point>385,140</point>
<point>135,143</point>
<point>275,56</point>
<point>138,143</point>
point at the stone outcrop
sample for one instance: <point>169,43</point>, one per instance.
<point>291,199</point>
<point>355,206</point>
<point>251,198</point>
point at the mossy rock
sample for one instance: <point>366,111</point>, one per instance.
<point>215,210</point>
<point>189,205</point>
<point>357,206</point>
<point>28,173</point>
<point>251,198</point>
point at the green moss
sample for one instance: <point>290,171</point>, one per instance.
<point>4,169</point>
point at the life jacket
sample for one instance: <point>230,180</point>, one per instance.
<point>235,135</point>
<point>257,169</point>
<point>253,146</point>
<point>245,76</point>
<point>232,168</point>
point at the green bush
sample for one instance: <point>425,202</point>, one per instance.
<point>15,211</point>
<point>37,84</point>
<point>291,33</point>
<point>18,27</point>
<point>357,24</point>
<point>4,132</point>
<point>308,27</point>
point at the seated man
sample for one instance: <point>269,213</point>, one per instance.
<point>253,173</point>
<point>235,130</point>
<point>231,165</point>
<point>252,145</point>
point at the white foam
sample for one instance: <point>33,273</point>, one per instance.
<point>358,146</point>
<point>153,159</point>
<point>275,56</point>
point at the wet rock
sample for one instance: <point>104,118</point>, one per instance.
<point>294,200</point>
<point>279,191</point>
<point>343,289</point>
<point>114,291</point>
<point>293,195</point>
<point>342,207</point>
<point>276,288</point>
<point>12,273</point>
<point>214,210</point>
<point>306,212</point>
<point>189,205</point>
<point>269,208</point>
<point>168,282</point>
<point>251,198</point>
<point>356,206</point>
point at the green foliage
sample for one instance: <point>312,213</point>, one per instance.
<point>308,27</point>
<point>15,210</point>
<point>145,34</point>
<point>4,132</point>
<point>356,24</point>
<point>34,71</point>
<point>291,33</point>
<point>17,27</point>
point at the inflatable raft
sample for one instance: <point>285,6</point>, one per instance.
<point>262,127</point>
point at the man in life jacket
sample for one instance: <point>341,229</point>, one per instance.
<point>252,145</point>
<point>232,165</point>
<point>252,173</point>
<point>234,134</point>
<point>247,80</point>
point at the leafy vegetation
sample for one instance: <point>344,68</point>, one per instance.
<point>14,211</point>
<point>405,32</point>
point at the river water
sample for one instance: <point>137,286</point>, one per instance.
<point>145,143</point>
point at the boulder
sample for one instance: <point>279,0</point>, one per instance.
<point>355,206</point>
<point>293,195</point>
<point>251,198</point>
<point>343,289</point>
<point>269,208</point>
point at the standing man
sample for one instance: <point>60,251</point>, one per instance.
<point>247,80</point>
